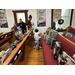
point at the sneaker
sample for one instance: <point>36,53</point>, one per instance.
<point>33,46</point>
<point>37,48</point>
<point>40,47</point>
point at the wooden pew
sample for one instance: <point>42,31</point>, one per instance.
<point>20,46</point>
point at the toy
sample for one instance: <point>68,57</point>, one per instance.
<point>66,59</point>
<point>45,37</point>
<point>47,32</point>
<point>15,43</point>
<point>40,44</point>
<point>48,40</point>
<point>69,35</point>
<point>61,60</point>
<point>50,32</point>
<point>69,60</point>
<point>15,27</point>
<point>74,37</point>
<point>17,55</point>
<point>53,43</point>
<point>8,52</point>
<point>57,49</point>
<point>74,56</point>
<point>2,57</point>
<point>54,34</point>
<point>13,46</point>
<point>21,35</point>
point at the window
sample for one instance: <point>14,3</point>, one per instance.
<point>20,14</point>
<point>65,14</point>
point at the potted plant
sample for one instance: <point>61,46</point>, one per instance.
<point>53,26</point>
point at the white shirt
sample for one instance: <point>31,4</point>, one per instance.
<point>36,36</point>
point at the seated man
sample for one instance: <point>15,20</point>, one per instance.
<point>37,36</point>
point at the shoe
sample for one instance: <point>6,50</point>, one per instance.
<point>37,48</point>
<point>40,47</point>
<point>33,46</point>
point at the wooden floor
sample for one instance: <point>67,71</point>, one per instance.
<point>32,56</point>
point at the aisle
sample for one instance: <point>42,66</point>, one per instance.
<point>32,56</point>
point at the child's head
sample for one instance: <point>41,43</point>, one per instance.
<point>36,30</point>
<point>15,25</point>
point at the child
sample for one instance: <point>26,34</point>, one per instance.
<point>37,36</point>
<point>15,27</point>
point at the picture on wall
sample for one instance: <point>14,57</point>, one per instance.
<point>3,19</point>
<point>41,17</point>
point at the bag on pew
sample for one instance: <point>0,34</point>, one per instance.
<point>57,49</point>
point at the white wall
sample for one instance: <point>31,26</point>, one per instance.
<point>33,12</point>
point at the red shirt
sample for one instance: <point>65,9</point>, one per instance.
<point>29,23</point>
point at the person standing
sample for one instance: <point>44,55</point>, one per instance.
<point>22,26</point>
<point>29,22</point>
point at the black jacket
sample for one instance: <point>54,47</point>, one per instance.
<point>22,26</point>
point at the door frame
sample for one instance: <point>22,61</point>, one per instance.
<point>20,11</point>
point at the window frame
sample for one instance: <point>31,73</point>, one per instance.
<point>52,20</point>
<point>20,11</point>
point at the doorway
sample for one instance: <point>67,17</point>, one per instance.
<point>20,14</point>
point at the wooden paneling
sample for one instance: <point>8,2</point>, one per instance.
<point>16,49</point>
